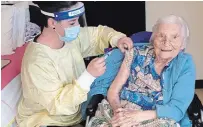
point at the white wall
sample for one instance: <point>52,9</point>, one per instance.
<point>192,12</point>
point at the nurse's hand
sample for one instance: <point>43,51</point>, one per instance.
<point>125,43</point>
<point>97,67</point>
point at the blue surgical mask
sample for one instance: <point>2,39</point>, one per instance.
<point>71,33</point>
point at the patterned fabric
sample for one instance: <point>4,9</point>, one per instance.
<point>102,83</point>
<point>144,86</point>
<point>105,113</point>
<point>142,91</point>
<point>179,74</point>
<point>58,70</point>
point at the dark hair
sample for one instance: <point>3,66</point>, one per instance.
<point>52,6</point>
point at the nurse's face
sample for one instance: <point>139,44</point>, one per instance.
<point>61,25</point>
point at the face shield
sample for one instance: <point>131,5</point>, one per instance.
<point>76,12</point>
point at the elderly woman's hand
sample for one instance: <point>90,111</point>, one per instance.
<point>122,120</point>
<point>125,42</point>
<point>129,117</point>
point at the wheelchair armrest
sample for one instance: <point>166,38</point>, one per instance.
<point>93,104</point>
<point>194,112</point>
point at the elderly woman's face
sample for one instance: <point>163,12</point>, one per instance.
<point>168,41</point>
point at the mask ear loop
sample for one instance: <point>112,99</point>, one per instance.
<point>56,32</point>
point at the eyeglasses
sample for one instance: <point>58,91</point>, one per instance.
<point>172,39</point>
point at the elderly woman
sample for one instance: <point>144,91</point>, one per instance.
<point>155,83</point>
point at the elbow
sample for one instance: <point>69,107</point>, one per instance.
<point>170,111</point>
<point>178,116</point>
<point>112,96</point>
<point>109,95</point>
<point>51,109</point>
<point>59,109</point>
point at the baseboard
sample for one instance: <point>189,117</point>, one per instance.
<point>199,84</point>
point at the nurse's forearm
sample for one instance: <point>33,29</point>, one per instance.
<point>85,80</point>
<point>108,34</point>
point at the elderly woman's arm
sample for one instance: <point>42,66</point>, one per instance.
<point>116,86</point>
<point>182,93</point>
<point>179,101</point>
<point>177,106</point>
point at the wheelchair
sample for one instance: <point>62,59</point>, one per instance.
<point>194,110</point>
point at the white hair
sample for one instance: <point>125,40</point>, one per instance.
<point>176,20</point>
